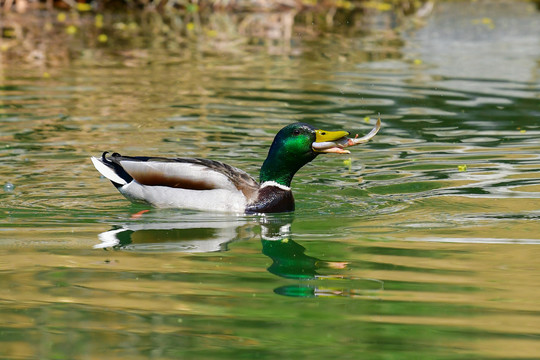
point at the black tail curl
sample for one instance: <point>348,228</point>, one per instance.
<point>113,163</point>
<point>104,159</point>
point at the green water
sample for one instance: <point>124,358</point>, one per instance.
<point>422,244</point>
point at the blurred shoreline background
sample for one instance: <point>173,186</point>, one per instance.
<point>54,33</point>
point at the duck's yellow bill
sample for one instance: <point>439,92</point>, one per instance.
<point>323,135</point>
<point>325,141</point>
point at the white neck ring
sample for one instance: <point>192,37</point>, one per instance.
<point>275,184</point>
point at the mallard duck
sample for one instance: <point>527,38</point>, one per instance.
<point>202,184</point>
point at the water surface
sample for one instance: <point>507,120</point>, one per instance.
<point>422,244</point>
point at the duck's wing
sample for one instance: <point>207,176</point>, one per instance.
<point>181,173</point>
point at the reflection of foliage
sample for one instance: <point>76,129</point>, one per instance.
<point>66,30</point>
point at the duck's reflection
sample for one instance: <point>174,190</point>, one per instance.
<point>198,233</point>
<point>289,260</point>
<point>194,233</point>
<point>288,257</point>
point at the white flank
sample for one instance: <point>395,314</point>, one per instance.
<point>107,171</point>
<point>220,200</point>
<point>273,183</point>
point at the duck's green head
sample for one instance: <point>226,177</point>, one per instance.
<point>293,147</point>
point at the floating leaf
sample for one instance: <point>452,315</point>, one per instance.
<point>192,8</point>
<point>8,33</point>
<point>377,5</point>
<point>485,21</point>
<point>71,29</point>
<point>348,162</point>
<point>211,33</point>
<point>99,21</point>
<point>344,4</point>
<point>84,7</point>
<point>120,26</point>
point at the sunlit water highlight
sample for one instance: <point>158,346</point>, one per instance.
<point>422,244</point>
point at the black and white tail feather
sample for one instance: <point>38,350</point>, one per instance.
<point>112,171</point>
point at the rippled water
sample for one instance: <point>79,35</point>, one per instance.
<point>422,244</point>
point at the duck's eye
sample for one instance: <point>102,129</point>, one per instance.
<point>296,132</point>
